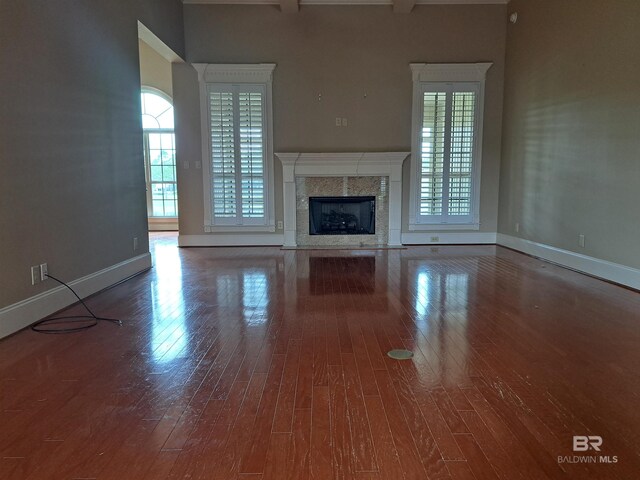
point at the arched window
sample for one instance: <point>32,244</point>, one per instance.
<point>159,154</point>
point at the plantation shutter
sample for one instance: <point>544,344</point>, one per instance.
<point>237,116</point>
<point>461,153</point>
<point>251,154</point>
<point>432,151</point>
<point>223,168</point>
<point>447,142</point>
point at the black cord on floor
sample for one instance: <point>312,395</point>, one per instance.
<point>43,326</point>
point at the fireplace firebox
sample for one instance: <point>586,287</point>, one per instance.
<point>342,215</point>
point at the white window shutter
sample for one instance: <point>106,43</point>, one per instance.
<point>251,136</point>
<point>447,143</point>
<point>223,153</point>
<point>238,154</point>
<point>432,153</point>
<point>461,153</point>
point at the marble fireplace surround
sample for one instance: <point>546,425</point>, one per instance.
<point>363,164</point>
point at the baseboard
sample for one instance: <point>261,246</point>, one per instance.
<point>163,227</point>
<point>232,240</point>
<point>449,238</point>
<point>162,224</point>
<point>610,271</point>
<point>22,314</point>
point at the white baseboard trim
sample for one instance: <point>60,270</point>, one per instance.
<point>162,224</point>
<point>163,227</point>
<point>22,314</point>
<point>457,238</point>
<point>232,240</point>
<point>613,272</point>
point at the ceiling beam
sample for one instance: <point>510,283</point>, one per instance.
<point>403,6</point>
<point>289,6</point>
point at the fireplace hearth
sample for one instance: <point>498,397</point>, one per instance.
<point>342,215</point>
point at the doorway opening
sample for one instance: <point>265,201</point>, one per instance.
<point>159,160</point>
<point>159,146</point>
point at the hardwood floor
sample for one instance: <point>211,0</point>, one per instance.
<point>258,363</point>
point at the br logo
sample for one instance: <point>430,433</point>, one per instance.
<point>582,443</point>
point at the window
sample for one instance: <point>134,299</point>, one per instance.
<point>159,155</point>
<point>238,147</point>
<point>447,146</point>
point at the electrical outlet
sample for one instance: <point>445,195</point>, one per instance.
<point>44,270</point>
<point>338,122</point>
<point>581,240</point>
<point>435,239</point>
<point>344,122</point>
<point>35,275</point>
<point>517,227</point>
<point>280,225</point>
<point>135,243</point>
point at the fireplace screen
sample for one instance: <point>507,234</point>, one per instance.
<point>342,215</point>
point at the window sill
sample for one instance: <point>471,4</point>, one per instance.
<point>443,227</point>
<point>239,228</point>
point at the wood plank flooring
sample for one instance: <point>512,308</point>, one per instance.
<point>258,363</point>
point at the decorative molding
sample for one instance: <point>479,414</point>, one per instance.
<point>248,240</point>
<point>603,269</point>
<point>235,72</point>
<point>22,314</point>
<point>347,2</point>
<point>450,72</point>
<point>362,164</point>
<point>448,238</point>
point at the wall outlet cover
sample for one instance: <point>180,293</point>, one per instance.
<point>35,274</point>
<point>44,270</point>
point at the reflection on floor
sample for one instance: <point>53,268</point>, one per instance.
<point>263,363</point>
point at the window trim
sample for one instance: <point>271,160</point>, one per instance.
<point>446,73</point>
<point>230,74</point>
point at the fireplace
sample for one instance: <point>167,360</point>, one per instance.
<point>307,176</point>
<point>342,215</point>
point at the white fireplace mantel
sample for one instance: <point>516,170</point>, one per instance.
<point>363,164</point>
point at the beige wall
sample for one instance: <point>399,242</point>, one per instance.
<point>343,53</point>
<point>71,171</point>
<point>571,153</point>
<point>186,108</point>
<point>155,70</point>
